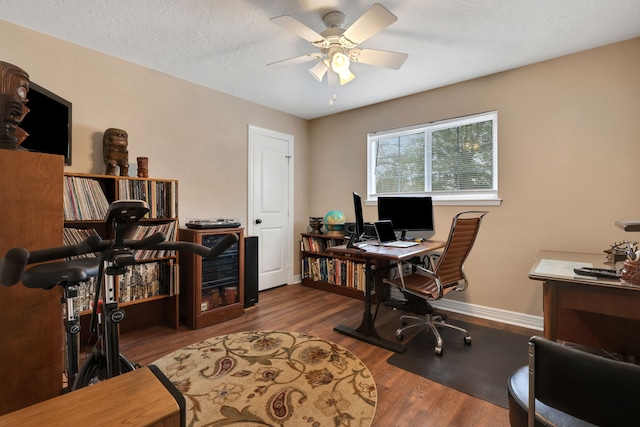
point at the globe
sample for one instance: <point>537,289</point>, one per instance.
<point>334,222</point>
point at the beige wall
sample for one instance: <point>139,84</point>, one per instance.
<point>569,145</point>
<point>569,140</point>
<point>190,133</point>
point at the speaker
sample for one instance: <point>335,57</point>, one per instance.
<point>250,271</point>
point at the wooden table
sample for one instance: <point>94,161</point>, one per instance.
<point>599,313</point>
<point>144,397</point>
<point>367,331</point>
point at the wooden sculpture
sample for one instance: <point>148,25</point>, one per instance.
<point>116,154</point>
<point>14,85</point>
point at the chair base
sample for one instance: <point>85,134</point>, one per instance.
<point>432,322</point>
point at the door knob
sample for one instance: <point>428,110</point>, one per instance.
<point>258,221</point>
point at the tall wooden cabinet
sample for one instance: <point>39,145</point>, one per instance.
<point>149,291</point>
<point>212,291</point>
<point>31,334</point>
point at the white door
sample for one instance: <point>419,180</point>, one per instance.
<point>271,204</point>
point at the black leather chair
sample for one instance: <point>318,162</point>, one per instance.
<point>566,386</point>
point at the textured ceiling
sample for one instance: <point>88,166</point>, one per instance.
<point>226,44</point>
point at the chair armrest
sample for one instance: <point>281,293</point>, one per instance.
<point>413,280</point>
<point>426,272</point>
<point>430,274</point>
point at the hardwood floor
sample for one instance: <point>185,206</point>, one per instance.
<point>404,399</point>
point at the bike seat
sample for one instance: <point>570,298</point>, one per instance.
<point>46,276</point>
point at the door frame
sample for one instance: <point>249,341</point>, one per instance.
<point>252,131</point>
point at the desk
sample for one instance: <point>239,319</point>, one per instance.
<point>144,397</point>
<point>367,331</point>
<point>599,313</point>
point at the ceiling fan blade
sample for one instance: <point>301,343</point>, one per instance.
<point>319,70</point>
<point>379,58</point>
<point>297,60</point>
<point>371,22</point>
<point>297,28</point>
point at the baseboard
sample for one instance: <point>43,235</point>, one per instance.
<point>489,313</point>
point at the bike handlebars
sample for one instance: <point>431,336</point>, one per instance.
<point>205,252</point>
<point>13,265</point>
<point>49,254</point>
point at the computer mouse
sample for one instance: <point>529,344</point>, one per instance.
<point>419,240</point>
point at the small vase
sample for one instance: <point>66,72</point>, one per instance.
<point>630,272</point>
<point>143,167</point>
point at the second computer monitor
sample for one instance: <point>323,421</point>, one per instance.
<point>358,233</point>
<point>409,213</point>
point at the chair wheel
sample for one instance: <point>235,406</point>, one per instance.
<point>400,337</point>
<point>439,351</point>
<point>467,340</point>
<point>404,323</point>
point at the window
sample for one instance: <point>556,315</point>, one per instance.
<point>451,161</point>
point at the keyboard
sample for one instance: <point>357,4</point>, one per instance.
<point>399,244</point>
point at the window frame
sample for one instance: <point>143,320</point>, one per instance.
<point>461,197</point>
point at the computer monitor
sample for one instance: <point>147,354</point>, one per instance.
<point>409,213</point>
<point>358,232</point>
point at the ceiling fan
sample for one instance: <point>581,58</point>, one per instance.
<point>338,47</point>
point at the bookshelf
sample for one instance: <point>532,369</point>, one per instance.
<point>330,272</point>
<point>149,291</point>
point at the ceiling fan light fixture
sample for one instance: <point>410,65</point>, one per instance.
<point>340,62</point>
<point>319,70</point>
<point>346,76</point>
<point>340,65</point>
<point>339,47</point>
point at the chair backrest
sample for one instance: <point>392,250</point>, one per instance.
<point>594,388</point>
<point>450,265</point>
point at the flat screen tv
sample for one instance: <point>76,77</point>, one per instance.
<point>407,213</point>
<point>48,123</point>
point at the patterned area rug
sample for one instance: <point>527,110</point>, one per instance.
<point>271,378</point>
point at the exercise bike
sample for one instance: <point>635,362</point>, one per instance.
<point>113,258</point>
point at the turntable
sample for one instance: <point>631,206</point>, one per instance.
<point>212,223</point>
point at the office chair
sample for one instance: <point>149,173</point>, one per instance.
<point>567,386</point>
<point>423,285</point>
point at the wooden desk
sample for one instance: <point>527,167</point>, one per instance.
<point>144,397</point>
<point>599,313</point>
<point>367,331</point>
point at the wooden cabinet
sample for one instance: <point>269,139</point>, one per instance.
<point>212,291</point>
<point>31,333</point>
<point>338,274</point>
<point>148,292</point>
